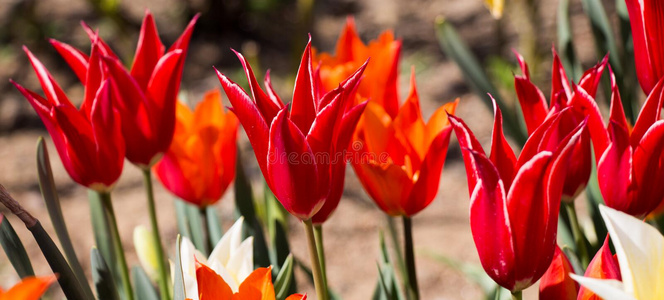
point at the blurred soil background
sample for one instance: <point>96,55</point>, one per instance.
<point>272,33</point>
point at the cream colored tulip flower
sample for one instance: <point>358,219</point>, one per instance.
<point>232,258</point>
<point>640,251</point>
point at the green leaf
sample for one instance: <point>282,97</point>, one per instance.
<point>602,32</point>
<point>284,279</point>
<point>280,244</point>
<point>196,228</point>
<point>214,225</point>
<point>50,195</point>
<point>454,47</point>
<point>144,290</point>
<point>566,42</point>
<point>244,199</point>
<point>72,288</point>
<point>473,272</point>
<point>396,246</point>
<point>573,260</point>
<point>261,252</point>
<point>178,277</point>
<point>102,277</point>
<point>182,220</point>
<point>594,199</point>
<point>103,239</point>
<point>14,249</point>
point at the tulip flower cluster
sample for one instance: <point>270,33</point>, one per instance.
<point>346,109</point>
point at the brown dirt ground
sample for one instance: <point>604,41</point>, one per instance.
<point>351,235</point>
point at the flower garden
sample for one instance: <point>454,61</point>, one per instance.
<point>561,181</point>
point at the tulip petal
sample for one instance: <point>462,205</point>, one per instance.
<point>608,289</point>
<point>94,37</point>
<point>584,106</point>
<point>303,111</point>
<point>559,81</point>
<point>148,52</point>
<point>222,252</point>
<point>182,42</point>
<point>650,112</point>
<point>387,183</point>
<point>529,213</point>
<point>251,119</point>
<point>210,284</point>
<point>603,266</point>
<point>270,90</point>
<point>292,169</point>
<point>614,169</point>
<point>467,140</point>
<point>644,17</point>
<point>53,92</point>
<point>258,285</point>
<point>590,79</point>
<point>427,180</point>
<point>31,288</point>
<point>267,105</point>
<point>76,59</point>
<point>639,248</point>
<point>162,91</point>
<point>556,283</point>
<point>93,79</point>
<point>502,154</point>
<point>532,100</point>
<point>648,172</point>
<point>490,221</point>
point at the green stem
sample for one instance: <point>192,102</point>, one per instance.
<point>579,238</point>
<point>206,231</point>
<point>320,249</point>
<point>164,279</point>
<point>517,295</point>
<point>319,283</point>
<point>117,244</point>
<point>410,257</point>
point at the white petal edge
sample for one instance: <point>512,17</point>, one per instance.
<point>223,250</point>
<point>640,251</point>
<point>608,289</point>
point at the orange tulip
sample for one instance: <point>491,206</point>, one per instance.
<point>257,286</point>
<point>200,163</point>
<point>380,80</point>
<point>400,159</point>
<point>31,288</point>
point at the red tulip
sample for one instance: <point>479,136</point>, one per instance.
<point>89,140</point>
<point>630,161</point>
<point>647,32</point>
<point>556,284</point>
<point>514,203</point>
<point>536,112</point>
<point>200,163</point>
<point>603,266</point>
<point>146,95</point>
<point>301,152</point>
<point>378,86</point>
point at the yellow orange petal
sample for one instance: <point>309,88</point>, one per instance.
<point>439,121</point>
<point>495,7</point>
<point>388,184</point>
<point>409,124</point>
<point>257,286</point>
<point>210,285</point>
<point>31,288</point>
